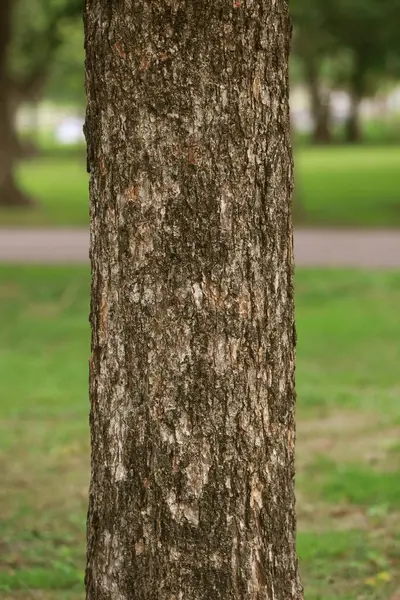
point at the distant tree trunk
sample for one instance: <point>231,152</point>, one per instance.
<point>192,365</point>
<point>27,92</point>
<point>320,106</point>
<point>10,194</point>
<point>22,148</point>
<point>353,131</point>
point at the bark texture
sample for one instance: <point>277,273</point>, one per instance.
<point>193,336</point>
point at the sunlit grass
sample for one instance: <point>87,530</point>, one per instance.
<point>350,186</point>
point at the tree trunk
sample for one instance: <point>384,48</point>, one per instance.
<point>27,92</point>
<point>192,366</point>
<point>10,194</point>
<point>22,148</point>
<point>320,106</point>
<point>353,132</point>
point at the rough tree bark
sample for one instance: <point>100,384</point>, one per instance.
<point>10,194</point>
<point>193,335</point>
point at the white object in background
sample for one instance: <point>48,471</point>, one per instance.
<point>70,131</point>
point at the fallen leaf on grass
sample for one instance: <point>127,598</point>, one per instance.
<point>378,579</point>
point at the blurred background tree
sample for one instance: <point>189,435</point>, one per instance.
<point>345,90</point>
<point>350,45</point>
<point>35,35</point>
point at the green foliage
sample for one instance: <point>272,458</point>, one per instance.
<point>66,81</point>
<point>355,42</point>
<point>39,31</point>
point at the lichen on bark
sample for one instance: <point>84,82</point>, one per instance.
<point>193,339</point>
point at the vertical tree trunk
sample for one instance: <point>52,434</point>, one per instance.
<point>28,91</point>
<point>192,366</point>
<point>353,132</point>
<point>26,147</point>
<point>320,106</point>
<point>20,148</point>
<point>10,194</point>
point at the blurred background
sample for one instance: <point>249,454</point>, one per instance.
<point>345,104</point>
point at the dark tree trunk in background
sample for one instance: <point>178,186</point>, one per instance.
<point>353,130</point>
<point>320,106</point>
<point>22,148</point>
<point>10,194</point>
<point>27,92</point>
<point>193,337</point>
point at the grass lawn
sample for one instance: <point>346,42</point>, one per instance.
<point>350,186</point>
<point>348,433</point>
<point>60,187</point>
<point>338,186</point>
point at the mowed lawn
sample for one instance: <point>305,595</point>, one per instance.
<point>348,481</point>
<point>338,186</point>
<point>349,186</point>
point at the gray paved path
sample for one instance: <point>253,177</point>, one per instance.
<point>313,248</point>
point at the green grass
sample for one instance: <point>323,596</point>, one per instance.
<point>355,484</point>
<point>344,565</point>
<point>348,317</point>
<point>337,186</point>
<point>375,132</point>
<point>59,185</point>
<point>350,186</point>
<point>348,432</point>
